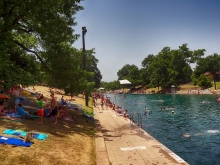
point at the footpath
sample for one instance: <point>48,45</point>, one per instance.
<point>120,142</point>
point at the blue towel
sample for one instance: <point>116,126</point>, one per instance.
<point>12,115</point>
<point>38,136</point>
<point>14,141</point>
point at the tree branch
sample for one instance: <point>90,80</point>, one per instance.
<point>17,19</point>
<point>25,48</point>
<point>24,30</point>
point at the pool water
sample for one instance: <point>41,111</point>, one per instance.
<point>200,121</point>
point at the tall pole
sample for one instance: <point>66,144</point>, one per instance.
<point>84,30</point>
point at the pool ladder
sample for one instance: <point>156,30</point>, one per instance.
<point>139,119</point>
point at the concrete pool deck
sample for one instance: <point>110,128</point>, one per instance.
<point>118,142</point>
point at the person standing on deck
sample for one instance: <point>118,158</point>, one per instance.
<point>106,102</point>
<point>102,102</point>
<point>54,107</point>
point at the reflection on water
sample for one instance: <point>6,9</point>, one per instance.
<point>192,131</point>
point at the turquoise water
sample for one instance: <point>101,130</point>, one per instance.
<point>199,120</point>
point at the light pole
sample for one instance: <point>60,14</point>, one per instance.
<point>84,30</point>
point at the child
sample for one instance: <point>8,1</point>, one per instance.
<point>40,110</point>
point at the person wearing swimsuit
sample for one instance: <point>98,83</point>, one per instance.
<point>54,107</point>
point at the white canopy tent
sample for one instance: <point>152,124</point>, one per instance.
<point>124,81</point>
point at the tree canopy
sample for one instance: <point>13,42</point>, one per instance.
<point>36,45</point>
<point>169,67</point>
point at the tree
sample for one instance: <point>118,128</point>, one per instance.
<point>32,30</point>
<point>131,73</point>
<point>114,85</point>
<point>204,81</point>
<point>143,71</point>
<point>171,67</point>
<point>124,71</point>
<point>208,64</point>
<point>146,62</point>
<point>91,66</point>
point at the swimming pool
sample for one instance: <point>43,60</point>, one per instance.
<point>200,121</point>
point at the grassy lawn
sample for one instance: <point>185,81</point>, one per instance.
<point>68,142</point>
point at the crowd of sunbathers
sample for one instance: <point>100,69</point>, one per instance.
<point>43,109</point>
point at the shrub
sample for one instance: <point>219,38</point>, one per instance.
<point>204,81</point>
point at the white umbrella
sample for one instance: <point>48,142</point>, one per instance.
<point>124,81</point>
<point>101,88</point>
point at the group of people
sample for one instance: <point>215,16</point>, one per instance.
<point>18,108</point>
<point>105,103</point>
<point>51,110</point>
<point>43,109</point>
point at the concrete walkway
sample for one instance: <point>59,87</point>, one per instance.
<point>120,143</point>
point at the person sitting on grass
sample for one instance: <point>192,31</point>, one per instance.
<point>63,102</point>
<point>2,112</point>
<point>47,111</point>
<point>22,112</point>
<point>63,113</point>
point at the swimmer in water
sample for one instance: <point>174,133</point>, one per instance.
<point>146,113</point>
<point>203,102</point>
<point>186,135</point>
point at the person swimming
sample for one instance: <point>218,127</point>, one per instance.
<point>146,113</point>
<point>186,135</point>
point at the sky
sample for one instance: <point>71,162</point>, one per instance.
<point>127,31</point>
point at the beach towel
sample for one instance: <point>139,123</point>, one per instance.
<point>88,116</point>
<point>38,136</point>
<point>75,108</point>
<point>15,115</point>
<point>14,141</point>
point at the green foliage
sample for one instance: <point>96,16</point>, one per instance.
<point>131,73</point>
<point>36,46</point>
<point>194,79</point>
<point>91,66</point>
<point>171,67</point>
<point>204,81</point>
<point>115,85</point>
<point>210,64</point>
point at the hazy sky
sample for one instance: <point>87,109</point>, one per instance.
<point>126,31</point>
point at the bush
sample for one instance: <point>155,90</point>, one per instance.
<point>195,81</point>
<point>204,81</point>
